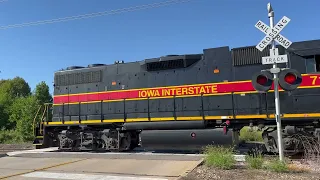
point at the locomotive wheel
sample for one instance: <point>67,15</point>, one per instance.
<point>125,142</point>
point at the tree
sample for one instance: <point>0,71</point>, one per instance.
<point>20,87</point>
<point>11,89</point>
<point>3,120</point>
<point>22,113</point>
<point>42,93</point>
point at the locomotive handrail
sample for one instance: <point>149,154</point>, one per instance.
<point>124,110</point>
<point>34,121</point>
<point>202,108</point>
<point>41,120</point>
<point>148,102</point>
<point>174,108</point>
<point>101,111</point>
<point>233,107</point>
<point>45,111</point>
<point>79,114</point>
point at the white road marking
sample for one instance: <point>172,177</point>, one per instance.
<point>32,151</point>
<point>51,175</point>
<point>50,150</point>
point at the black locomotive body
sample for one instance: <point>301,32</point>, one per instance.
<point>107,106</point>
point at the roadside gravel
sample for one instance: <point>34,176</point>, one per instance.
<point>207,173</point>
<point>5,148</point>
<point>16,146</point>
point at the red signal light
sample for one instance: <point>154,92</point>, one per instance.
<point>290,78</point>
<point>262,80</point>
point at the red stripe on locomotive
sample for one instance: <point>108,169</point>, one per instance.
<point>189,90</point>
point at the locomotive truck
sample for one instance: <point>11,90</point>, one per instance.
<point>106,107</point>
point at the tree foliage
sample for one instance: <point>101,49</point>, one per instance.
<point>22,113</point>
<point>18,107</point>
<point>42,93</point>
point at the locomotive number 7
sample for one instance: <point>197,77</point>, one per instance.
<point>314,79</point>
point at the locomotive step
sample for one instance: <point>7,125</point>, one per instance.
<point>38,142</point>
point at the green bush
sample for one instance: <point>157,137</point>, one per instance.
<point>220,157</point>
<point>8,136</point>
<point>247,134</point>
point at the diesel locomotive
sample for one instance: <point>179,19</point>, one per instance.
<point>106,107</point>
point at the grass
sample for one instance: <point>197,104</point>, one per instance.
<point>255,162</point>
<point>219,157</point>
<point>250,134</point>
<point>276,165</point>
<point>223,158</point>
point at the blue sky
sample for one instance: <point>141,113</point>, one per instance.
<point>36,52</point>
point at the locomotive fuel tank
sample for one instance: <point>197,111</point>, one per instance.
<point>188,140</point>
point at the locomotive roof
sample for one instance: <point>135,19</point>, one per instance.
<point>301,48</point>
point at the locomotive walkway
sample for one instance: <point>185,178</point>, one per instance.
<point>39,164</point>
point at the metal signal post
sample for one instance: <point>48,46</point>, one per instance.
<point>288,79</point>
<point>276,87</point>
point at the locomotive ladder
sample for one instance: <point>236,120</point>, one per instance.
<point>38,125</point>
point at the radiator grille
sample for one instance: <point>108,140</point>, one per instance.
<point>78,78</point>
<point>250,55</point>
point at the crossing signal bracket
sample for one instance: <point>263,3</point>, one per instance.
<point>289,79</point>
<point>262,81</point>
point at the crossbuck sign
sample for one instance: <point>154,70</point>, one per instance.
<point>273,34</point>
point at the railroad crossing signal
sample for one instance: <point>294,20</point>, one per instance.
<point>273,33</point>
<point>289,80</point>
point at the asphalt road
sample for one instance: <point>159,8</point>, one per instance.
<point>38,164</point>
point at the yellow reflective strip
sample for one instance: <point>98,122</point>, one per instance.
<point>90,121</point>
<point>301,115</point>
<point>162,119</point>
<point>246,92</point>
<point>218,117</point>
<point>215,94</point>
<point>250,116</point>
<point>303,87</point>
<point>54,123</point>
<point>112,120</point>
<point>71,122</point>
<point>136,119</point>
<point>190,118</point>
